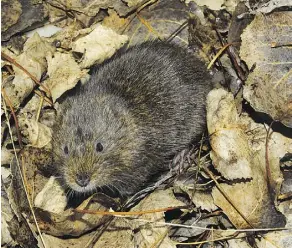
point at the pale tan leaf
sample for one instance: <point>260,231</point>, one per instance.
<point>265,44</point>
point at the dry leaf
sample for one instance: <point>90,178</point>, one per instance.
<point>159,21</point>
<point>38,134</point>
<point>11,11</point>
<point>115,22</point>
<point>230,153</point>
<point>150,233</point>
<point>265,43</point>
<point>134,3</point>
<point>282,239</point>
<point>52,198</point>
<point>33,59</point>
<point>118,235</point>
<point>202,200</point>
<point>64,74</point>
<point>99,45</point>
<point>188,183</point>
<point>53,242</point>
<point>238,243</point>
<point>88,11</point>
<point>251,198</point>
<point>211,4</point>
<point>14,231</point>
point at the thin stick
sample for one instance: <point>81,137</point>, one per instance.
<point>8,102</point>
<point>218,55</point>
<point>40,108</point>
<point>40,94</point>
<point>151,211</point>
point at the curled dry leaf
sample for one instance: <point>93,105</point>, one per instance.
<point>99,45</point>
<point>265,43</point>
<point>52,198</point>
<point>251,198</point>
<point>33,59</point>
<point>230,149</point>
<point>64,73</point>
<point>285,208</point>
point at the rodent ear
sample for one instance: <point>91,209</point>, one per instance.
<point>99,147</point>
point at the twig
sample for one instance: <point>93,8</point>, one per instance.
<point>218,55</point>
<point>285,196</point>
<point>40,94</point>
<point>268,167</point>
<point>177,31</point>
<point>8,102</point>
<point>145,5</point>
<point>40,108</point>
<point>233,60</point>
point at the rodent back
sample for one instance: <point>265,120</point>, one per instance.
<point>164,87</point>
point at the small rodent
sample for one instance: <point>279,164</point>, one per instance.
<point>138,110</point>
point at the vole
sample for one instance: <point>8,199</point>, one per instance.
<point>139,109</point>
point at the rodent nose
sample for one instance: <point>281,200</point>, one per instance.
<point>82,180</point>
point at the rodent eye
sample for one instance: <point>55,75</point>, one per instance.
<point>66,150</point>
<point>99,147</point>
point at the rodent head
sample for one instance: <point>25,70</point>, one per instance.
<point>95,147</point>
